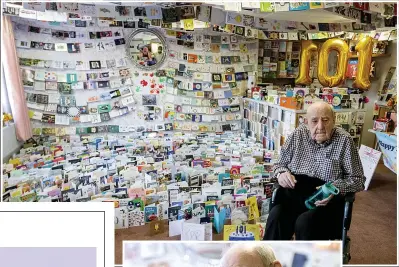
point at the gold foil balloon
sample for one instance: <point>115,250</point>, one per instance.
<point>308,47</point>
<point>342,49</point>
<point>365,49</point>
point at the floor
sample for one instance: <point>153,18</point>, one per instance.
<point>373,227</point>
<point>374,223</point>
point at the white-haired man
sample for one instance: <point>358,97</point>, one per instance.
<point>315,153</point>
<point>250,255</point>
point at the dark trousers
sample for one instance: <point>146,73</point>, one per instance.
<point>290,214</point>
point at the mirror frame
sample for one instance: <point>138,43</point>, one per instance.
<point>162,40</point>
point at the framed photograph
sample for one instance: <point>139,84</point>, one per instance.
<point>48,118</point>
<point>149,100</point>
<point>120,41</point>
<point>116,23</point>
<point>185,12</point>
<point>103,84</point>
<point>69,64</point>
<point>156,22</point>
<point>124,91</point>
<point>129,24</point>
<point>91,85</point>
<point>51,85</point>
<point>105,116</point>
<point>80,23</point>
<point>103,75</point>
<point>64,88</point>
<point>24,44</point>
<point>228,77</point>
<point>36,45</point>
<point>41,99</point>
<point>216,77</point>
<point>34,29</point>
<point>124,73</point>
<point>73,48</point>
<point>124,11</point>
<point>95,65</point>
<point>61,47</point>
<point>226,60</point>
<point>73,35</point>
<point>73,112</point>
<point>142,25</point>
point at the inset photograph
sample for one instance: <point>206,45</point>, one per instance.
<point>232,254</point>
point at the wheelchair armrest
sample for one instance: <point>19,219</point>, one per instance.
<point>350,197</point>
<point>275,196</point>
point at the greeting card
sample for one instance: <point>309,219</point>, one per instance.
<point>248,232</point>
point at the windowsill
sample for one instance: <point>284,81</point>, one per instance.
<point>12,124</point>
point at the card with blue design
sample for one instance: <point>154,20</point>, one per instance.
<point>299,6</point>
<point>151,214</point>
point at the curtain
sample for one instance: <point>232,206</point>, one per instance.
<point>12,75</point>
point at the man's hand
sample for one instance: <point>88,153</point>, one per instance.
<point>323,202</point>
<point>286,180</point>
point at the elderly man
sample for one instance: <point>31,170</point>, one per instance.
<point>315,153</point>
<point>250,255</point>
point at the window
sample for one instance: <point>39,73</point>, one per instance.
<point>5,103</point>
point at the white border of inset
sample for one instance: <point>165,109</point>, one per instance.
<point>60,225</point>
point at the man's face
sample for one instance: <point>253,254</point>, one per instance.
<point>321,123</point>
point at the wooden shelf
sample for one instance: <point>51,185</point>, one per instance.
<point>299,111</point>
<point>381,104</point>
<point>374,131</point>
<point>373,56</point>
<point>371,78</point>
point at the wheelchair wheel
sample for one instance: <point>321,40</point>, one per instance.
<point>346,251</point>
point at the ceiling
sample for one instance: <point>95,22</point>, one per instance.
<point>310,16</point>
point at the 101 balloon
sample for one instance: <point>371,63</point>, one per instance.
<point>364,48</point>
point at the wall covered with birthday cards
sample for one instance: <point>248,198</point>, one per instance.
<point>120,68</point>
<point>210,80</point>
<point>81,80</point>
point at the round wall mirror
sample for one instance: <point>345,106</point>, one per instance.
<point>146,48</point>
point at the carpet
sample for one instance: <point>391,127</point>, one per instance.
<point>374,221</point>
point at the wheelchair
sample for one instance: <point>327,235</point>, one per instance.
<point>340,235</point>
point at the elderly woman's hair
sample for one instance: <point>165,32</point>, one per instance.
<point>264,251</point>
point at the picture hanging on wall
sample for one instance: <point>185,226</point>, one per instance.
<point>73,48</point>
<point>23,44</point>
<point>124,11</point>
<point>129,24</point>
<point>140,12</point>
<point>73,112</point>
<point>80,23</point>
<point>216,77</point>
<point>149,100</point>
<point>95,64</point>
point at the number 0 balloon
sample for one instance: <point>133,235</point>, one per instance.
<point>322,71</point>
